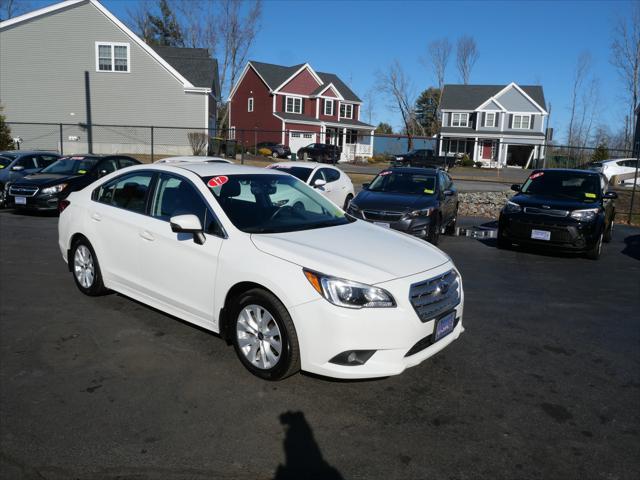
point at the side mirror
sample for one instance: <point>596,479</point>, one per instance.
<point>365,186</point>
<point>610,195</point>
<point>448,193</point>
<point>102,173</point>
<point>319,183</point>
<point>17,168</point>
<point>515,187</point>
<point>188,224</point>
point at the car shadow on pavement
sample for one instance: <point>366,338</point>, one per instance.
<point>632,247</point>
<point>303,458</point>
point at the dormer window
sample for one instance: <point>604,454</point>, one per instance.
<point>346,110</point>
<point>460,120</point>
<point>328,107</point>
<point>293,105</point>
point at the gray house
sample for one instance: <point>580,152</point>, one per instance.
<point>498,125</point>
<point>75,63</point>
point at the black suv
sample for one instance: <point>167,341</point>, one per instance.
<point>562,209</point>
<point>278,150</point>
<point>419,201</point>
<point>320,152</point>
<point>43,191</point>
<point>421,157</point>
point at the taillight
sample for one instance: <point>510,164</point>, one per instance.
<point>62,204</point>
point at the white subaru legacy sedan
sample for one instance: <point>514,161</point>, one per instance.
<point>266,261</point>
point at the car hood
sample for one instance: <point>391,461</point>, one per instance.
<point>558,203</point>
<point>46,179</point>
<point>357,251</point>
<point>395,202</point>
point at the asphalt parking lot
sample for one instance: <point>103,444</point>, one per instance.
<point>544,383</point>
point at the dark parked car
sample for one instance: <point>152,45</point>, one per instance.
<point>420,201</point>
<point>569,210</point>
<point>422,157</point>
<point>278,150</point>
<point>15,164</point>
<point>320,152</point>
<point>44,190</point>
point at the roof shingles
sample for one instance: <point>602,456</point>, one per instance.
<point>194,64</point>
<point>470,97</point>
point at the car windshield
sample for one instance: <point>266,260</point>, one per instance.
<point>572,185</point>
<point>71,165</point>
<point>397,182</point>
<point>299,172</point>
<point>9,155</point>
<point>262,203</point>
<point>5,162</point>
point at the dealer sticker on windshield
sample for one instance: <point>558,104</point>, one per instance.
<point>218,181</point>
<point>540,235</point>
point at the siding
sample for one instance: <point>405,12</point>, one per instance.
<point>514,101</point>
<point>42,76</point>
<point>302,84</point>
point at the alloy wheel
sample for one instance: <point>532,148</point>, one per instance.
<point>259,337</point>
<point>83,266</point>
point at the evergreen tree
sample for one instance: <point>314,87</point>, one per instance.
<point>6,140</point>
<point>600,153</point>
<point>164,30</point>
<point>384,128</point>
<point>427,110</point>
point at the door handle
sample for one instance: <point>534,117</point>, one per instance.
<point>147,236</point>
<point>96,217</point>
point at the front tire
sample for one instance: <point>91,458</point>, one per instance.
<point>264,336</point>
<point>434,232</point>
<point>594,252</point>
<point>608,234</point>
<point>451,227</point>
<point>86,269</point>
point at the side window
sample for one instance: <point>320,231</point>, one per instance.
<point>177,196</point>
<point>128,192</point>
<point>126,162</point>
<point>108,165</point>
<point>27,162</point>
<point>318,175</point>
<point>331,175</point>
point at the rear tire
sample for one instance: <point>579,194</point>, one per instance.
<point>594,252</point>
<point>86,269</point>
<point>264,336</point>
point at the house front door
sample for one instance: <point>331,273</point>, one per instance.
<point>486,150</point>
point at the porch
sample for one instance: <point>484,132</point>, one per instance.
<point>494,152</point>
<point>355,143</point>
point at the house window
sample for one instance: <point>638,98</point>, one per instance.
<point>346,110</point>
<point>328,107</point>
<point>460,120</point>
<point>250,104</point>
<point>113,57</point>
<point>232,133</point>
<point>293,105</point>
<point>521,122</point>
<point>351,136</point>
<point>455,146</point>
<point>489,119</point>
<point>307,135</point>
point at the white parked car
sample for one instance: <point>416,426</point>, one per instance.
<point>193,158</point>
<point>332,182</point>
<point>611,168</point>
<point>290,288</point>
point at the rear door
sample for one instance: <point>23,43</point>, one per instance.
<point>447,202</point>
<point>334,190</point>
<point>173,268</point>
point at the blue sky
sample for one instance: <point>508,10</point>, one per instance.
<point>523,41</point>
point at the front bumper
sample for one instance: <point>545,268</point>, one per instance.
<point>39,202</point>
<point>566,234</point>
<point>417,227</point>
<point>400,339</point>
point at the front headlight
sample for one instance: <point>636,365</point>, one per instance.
<point>585,215</point>
<point>55,189</point>
<point>348,294</point>
<point>512,207</point>
<point>423,212</point>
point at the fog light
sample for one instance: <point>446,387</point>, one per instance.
<point>352,358</point>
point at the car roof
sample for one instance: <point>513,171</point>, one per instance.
<point>295,163</point>
<point>27,152</point>
<point>191,158</point>
<point>204,169</point>
<point>429,171</point>
<point>612,160</point>
<point>567,170</point>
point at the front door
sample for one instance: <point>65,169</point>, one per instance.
<point>487,150</point>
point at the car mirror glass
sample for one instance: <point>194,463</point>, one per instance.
<point>188,224</point>
<point>610,195</point>
<point>515,187</point>
<point>319,183</point>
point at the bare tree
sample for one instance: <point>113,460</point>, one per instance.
<point>370,104</point>
<point>11,8</point>
<point>583,66</point>
<point>394,83</point>
<point>466,57</point>
<point>199,27</point>
<point>625,57</point>
<point>139,19</point>
<point>439,52</point>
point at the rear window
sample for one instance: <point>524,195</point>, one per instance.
<point>298,172</point>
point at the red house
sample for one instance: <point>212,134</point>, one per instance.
<point>297,106</point>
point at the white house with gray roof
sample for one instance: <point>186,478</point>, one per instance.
<point>497,125</point>
<point>75,63</point>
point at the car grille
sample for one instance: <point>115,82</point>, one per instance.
<point>559,233</point>
<point>435,296</point>
<point>546,211</point>
<point>381,215</point>
<point>17,190</point>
